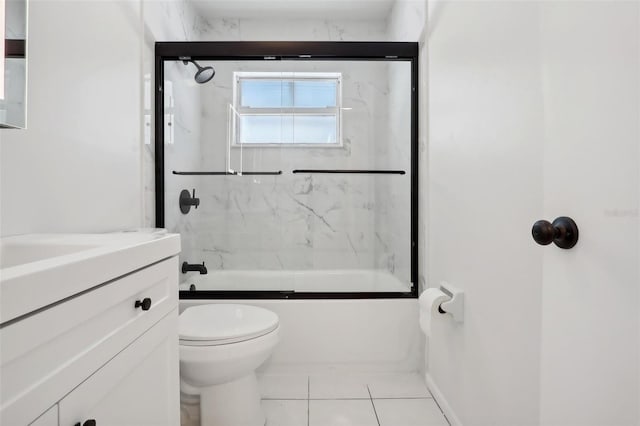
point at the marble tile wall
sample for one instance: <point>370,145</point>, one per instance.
<point>407,22</point>
<point>394,214</point>
<point>284,30</point>
<point>303,221</point>
<point>184,151</point>
<point>170,21</point>
<point>288,221</point>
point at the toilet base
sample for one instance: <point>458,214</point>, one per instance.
<point>235,403</point>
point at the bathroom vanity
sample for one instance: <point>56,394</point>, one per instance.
<point>88,329</point>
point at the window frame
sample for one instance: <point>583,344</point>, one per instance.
<point>300,111</point>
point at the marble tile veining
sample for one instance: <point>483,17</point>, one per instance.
<point>292,222</point>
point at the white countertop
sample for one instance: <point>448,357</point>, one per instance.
<point>38,270</point>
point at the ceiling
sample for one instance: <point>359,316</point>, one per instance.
<point>296,9</point>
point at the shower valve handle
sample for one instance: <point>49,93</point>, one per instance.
<point>187,200</point>
<point>196,201</point>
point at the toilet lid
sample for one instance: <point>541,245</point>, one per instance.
<point>224,323</point>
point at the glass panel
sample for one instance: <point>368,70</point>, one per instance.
<point>266,129</point>
<point>265,94</point>
<point>280,93</point>
<point>315,94</point>
<point>314,129</point>
<point>302,232</point>
<point>299,129</point>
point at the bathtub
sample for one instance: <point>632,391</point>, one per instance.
<point>328,335</point>
<point>324,281</point>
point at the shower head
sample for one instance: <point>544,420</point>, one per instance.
<point>204,74</point>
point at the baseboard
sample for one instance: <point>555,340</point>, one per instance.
<point>442,402</point>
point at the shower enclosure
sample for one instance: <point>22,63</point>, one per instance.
<point>289,168</point>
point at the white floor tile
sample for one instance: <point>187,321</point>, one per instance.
<point>285,412</point>
<point>410,385</point>
<point>345,412</point>
<point>409,412</point>
<point>338,387</point>
<point>283,386</point>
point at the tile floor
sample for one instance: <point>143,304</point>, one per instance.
<point>349,400</point>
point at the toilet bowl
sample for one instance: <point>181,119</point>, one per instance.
<point>221,345</point>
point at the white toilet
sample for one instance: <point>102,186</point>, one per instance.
<point>221,345</point>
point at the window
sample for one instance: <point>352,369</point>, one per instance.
<point>275,108</point>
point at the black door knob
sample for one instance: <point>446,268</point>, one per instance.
<point>563,232</point>
<point>145,304</point>
<point>90,422</point>
<point>543,232</point>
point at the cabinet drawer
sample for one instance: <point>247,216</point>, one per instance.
<point>46,355</point>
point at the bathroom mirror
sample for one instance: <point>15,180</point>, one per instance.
<point>13,69</point>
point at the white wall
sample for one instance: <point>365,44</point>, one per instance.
<point>534,113</point>
<point>485,191</point>
<point>590,329</point>
<point>77,167</point>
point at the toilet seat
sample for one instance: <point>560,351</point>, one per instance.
<point>222,324</point>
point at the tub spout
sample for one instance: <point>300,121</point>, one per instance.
<point>189,267</point>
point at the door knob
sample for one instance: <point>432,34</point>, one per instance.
<point>145,304</point>
<point>563,232</point>
<point>90,422</point>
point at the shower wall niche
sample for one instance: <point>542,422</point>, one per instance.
<point>302,156</point>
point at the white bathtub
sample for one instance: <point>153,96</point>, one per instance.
<point>333,281</point>
<point>330,335</point>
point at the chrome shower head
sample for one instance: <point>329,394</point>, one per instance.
<point>204,74</point>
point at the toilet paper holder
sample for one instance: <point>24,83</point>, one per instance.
<point>454,306</point>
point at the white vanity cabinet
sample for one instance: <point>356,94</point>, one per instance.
<point>107,356</point>
<point>50,418</point>
<point>135,388</point>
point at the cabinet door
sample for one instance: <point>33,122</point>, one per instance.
<point>49,418</point>
<point>138,387</point>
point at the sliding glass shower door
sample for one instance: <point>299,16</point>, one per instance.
<point>303,170</point>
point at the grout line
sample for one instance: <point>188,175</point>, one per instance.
<point>340,399</point>
<point>405,397</point>
<point>309,398</point>
<point>373,405</point>
<point>284,399</point>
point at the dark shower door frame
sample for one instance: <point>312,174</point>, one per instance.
<point>295,50</point>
